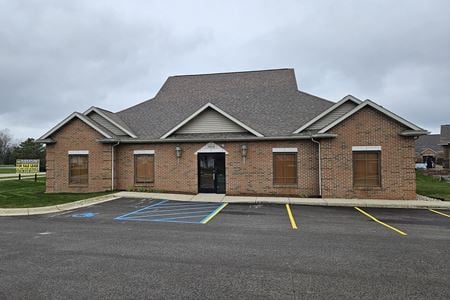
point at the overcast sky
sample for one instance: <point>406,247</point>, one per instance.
<point>57,56</point>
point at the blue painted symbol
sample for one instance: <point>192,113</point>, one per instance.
<point>84,215</point>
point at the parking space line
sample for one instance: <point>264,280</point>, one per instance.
<point>175,210</point>
<point>380,222</point>
<point>213,214</point>
<point>157,214</point>
<point>439,213</point>
<point>186,205</point>
<point>160,202</point>
<point>291,217</point>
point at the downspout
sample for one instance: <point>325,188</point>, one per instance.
<point>112,165</point>
<point>320,167</point>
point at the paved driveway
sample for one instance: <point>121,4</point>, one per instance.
<point>243,251</point>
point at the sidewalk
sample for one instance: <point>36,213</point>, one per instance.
<point>421,204</point>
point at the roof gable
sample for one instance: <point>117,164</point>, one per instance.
<point>210,119</point>
<point>83,118</point>
<point>109,120</point>
<point>331,114</point>
<point>267,101</point>
<point>415,130</point>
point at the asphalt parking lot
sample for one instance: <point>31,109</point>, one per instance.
<point>144,248</point>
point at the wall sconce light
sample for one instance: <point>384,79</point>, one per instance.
<point>178,152</point>
<point>244,151</point>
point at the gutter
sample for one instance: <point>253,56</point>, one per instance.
<point>320,166</point>
<point>240,139</point>
<point>112,164</point>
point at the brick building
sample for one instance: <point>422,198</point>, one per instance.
<point>240,133</point>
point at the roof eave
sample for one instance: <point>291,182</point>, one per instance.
<point>414,132</point>
<point>237,139</point>
<point>45,141</point>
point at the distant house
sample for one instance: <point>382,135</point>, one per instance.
<point>427,147</point>
<point>445,143</point>
<point>239,133</point>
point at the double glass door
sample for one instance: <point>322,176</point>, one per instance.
<point>211,173</point>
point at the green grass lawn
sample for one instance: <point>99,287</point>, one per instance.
<point>7,169</point>
<point>432,187</point>
<point>27,193</point>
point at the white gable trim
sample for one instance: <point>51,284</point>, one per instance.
<point>377,107</point>
<point>366,148</point>
<point>137,152</point>
<point>68,119</point>
<point>329,110</point>
<point>94,109</point>
<point>211,148</point>
<point>212,106</point>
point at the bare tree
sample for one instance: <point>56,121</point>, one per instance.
<point>5,144</point>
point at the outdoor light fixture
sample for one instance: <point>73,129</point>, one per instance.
<point>178,151</point>
<point>244,151</point>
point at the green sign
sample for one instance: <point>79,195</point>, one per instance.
<point>24,166</point>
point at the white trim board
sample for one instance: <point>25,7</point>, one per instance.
<point>98,111</point>
<point>366,148</point>
<point>137,152</point>
<point>78,152</point>
<point>326,112</point>
<point>68,119</point>
<point>284,150</point>
<point>212,106</point>
<point>375,106</point>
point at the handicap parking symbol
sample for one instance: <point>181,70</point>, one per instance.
<point>84,215</point>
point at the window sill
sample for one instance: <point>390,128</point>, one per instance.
<point>285,185</point>
<point>368,188</point>
<point>78,185</point>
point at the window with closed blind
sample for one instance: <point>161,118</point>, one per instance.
<point>78,169</point>
<point>366,168</point>
<point>285,168</point>
<point>144,168</point>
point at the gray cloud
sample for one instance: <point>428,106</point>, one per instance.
<point>57,57</point>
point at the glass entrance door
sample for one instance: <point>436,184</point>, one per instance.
<point>211,173</point>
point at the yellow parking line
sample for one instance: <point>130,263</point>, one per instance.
<point>291,216</point>
<point>213,214</point>
<point>379,222</point>
<point>440,213</point>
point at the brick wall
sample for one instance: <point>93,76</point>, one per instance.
<point>368,127</point>
<point>252,177</point>
<point>255,176</point>
<point>76,135</point>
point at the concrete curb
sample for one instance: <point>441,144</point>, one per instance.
<point>375,203</point>
<point>30,211</point>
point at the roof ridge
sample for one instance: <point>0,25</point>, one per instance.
<point>233,72</point>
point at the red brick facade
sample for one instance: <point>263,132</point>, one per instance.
<point>76,135</point>
<point>255,175</point>
<point>369,127</point>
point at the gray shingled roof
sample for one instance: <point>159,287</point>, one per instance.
<point>115,118</point>
<point>267,101</point>
<point>445,134</point>
<point>430,141</point>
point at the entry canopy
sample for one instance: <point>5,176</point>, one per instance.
<point>211,148</point>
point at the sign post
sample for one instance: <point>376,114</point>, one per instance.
<point>27,166</point>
